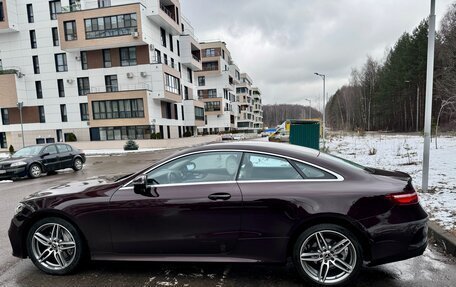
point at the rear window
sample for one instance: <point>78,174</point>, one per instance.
<point>345,162</point>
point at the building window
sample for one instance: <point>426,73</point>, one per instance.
<point>111,83</point>
<point>70,30</point>
<point>157,57</point>
<point>107,63</point>
<point>84,60</point>
<point>42,114</point>
<point>186,96</point>
<point>54,8</point>
<point>210,66</point>
<point>165,59</point>
<point>5,117</point>
<point>172,63</point>
<point>63,113</point>
<point>212,106</point>
<point>84,110</point>
<point>55,37</point>
<point>36,65</point>
<point>60,88</point>
<point>61,62</point>
<point>163,37</point>
<point>118,109</point>
<point>223,54</point>
<point>110,26</point>
<point>178,48</point>
<point>201,81</point>
<point>33,39</point>
<point>199,114</point>
<point>2,13</point>
<point>39,90</point>
<point>171,44</point>
<point>104,3</point>
<point>128,56</point>
<point>30,16</point>
<point>83,86</point>
<point>210,52</point>
<point>190,75</point>
<point>172,84</point>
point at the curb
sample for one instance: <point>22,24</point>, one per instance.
<point>442,238</point>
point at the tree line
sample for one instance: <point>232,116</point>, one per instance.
<point>390,94</point>
<point>274,115</point>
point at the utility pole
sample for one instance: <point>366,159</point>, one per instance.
<point>428,106</point>
<point>20,105</point>
<point>310,108</point>
<point>324,106</point>
<point>417,108</point>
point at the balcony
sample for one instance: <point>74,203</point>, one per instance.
<point>190,52</point>
<point>113,120</point>
<point>88,35</point>
<point>191,117</point>
<point>8,20</point>
<point>162,91</point>
<point>166,14</point>
<point>8,89</point>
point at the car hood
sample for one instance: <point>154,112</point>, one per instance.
<point>13,160</point>
<point>70,188</point>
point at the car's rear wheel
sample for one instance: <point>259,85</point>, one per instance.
<point>54,246</point>
<point>35,170</point>
<point>77,164</point>
<point>328,255</point>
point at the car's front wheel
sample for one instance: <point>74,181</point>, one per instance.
<point>54,246</point>
<point>328,255</point>
<point>77,164</point>
<point>35,171</point>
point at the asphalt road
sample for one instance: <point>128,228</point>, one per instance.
<point>431,269</point>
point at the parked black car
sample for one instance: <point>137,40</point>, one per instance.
<point>32,161</point>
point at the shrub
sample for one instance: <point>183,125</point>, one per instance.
<point>155,136</point>
<point>131,145</point>
<point>11,149</point>
<point>372,151</point>
<point>71,137</point>
<point>187,134</point>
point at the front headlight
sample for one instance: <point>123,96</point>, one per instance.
<point>19,208</point>
<point>19,163</point>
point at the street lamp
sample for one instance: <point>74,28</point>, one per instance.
<point>324,105</point>
<point>20,105</point>
<point>310,108</point>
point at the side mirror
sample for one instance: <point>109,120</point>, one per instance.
<point>140,187</point>
<point>44,154</point>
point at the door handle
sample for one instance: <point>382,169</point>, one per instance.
<point>219,196</point>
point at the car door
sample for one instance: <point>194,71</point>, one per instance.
<point>65,156</point>
<point>50,158</point>
<point>194,208</point>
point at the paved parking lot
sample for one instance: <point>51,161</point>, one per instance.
<point>431,269</point>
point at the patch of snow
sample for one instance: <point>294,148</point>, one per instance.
<point>103,152</point>
<point>5,181</point>
<point>404,153</point>
<point>4,155</point>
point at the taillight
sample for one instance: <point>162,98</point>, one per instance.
<point>404,198</point>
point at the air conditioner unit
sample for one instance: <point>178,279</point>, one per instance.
<point>143,74</point>
<point>78,58</point>
<point>135,34</point>
<point>19,74</point>
<point>151,47</point>
<point>70,81</point>
<point>130,75</point>
<point>88,123</point>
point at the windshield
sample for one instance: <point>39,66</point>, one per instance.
<point>28,151</point>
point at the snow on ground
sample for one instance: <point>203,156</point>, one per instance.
<point>405,153</point>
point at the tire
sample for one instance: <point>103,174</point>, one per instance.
<point>55,246</point>
<point>324,263</point>
<point>35,170</point>
<point>77,164</point>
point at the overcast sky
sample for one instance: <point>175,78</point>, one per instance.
<point>280,44</point>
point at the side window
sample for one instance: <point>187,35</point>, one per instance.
<point>50,149</point>
<point>266,167</point>
<point>63,148</point>
<point>311,172</point>
<point>202,167</point>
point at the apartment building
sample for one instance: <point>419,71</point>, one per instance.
<point>257,110</point>
<point>98,69</point>
<point>216,85</point>
<point>250,117</point>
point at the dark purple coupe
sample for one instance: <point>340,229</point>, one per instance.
<point>237,202</point>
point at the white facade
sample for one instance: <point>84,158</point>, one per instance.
<point>166,108</point>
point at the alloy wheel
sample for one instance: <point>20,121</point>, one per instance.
<point>328,257</point>
<point>35,170</point>
<point>77,164</point>
<point>53,246</point>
